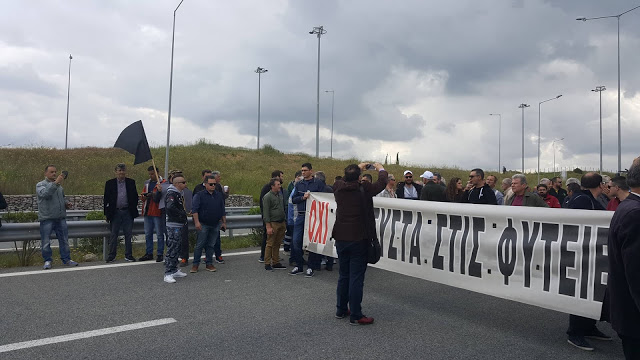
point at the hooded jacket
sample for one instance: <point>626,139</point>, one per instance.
<point>174,207</point>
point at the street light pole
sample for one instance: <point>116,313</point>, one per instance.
<point>332,101</point>
<point>523,106</point>
<point>554,154</point>
<point>599,90</point>
<point>619,130</point>
<point>319,31</point>
<point>499,138</point>
<point>539,107</point>
<point>259,71</point>
<point>66,133</point>
<point>173,37</point>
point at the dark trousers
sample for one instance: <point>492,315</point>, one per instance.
<point>352,257</point>
<point>580,326</point>
<point>184,242</point>
<point>314,261</point>
<point>121,220</point>
<point>217,250</point>
<point>630,347</point>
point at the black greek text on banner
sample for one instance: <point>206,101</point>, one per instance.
<point>551,258</point>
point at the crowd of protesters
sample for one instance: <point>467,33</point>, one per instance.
<point>167,203</point>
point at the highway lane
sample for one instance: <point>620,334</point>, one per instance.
<point>242,311</point>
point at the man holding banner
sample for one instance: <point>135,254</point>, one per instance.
<point>353,228</point>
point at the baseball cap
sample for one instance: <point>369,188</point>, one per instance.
<point>407,172</point>
<point>427,175</point>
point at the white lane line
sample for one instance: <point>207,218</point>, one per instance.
<point>105,266</point>
<point>84,335</point>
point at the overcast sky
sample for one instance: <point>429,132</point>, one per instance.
<point>418,77</point>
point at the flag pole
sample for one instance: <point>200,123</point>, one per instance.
<point>155,170</point>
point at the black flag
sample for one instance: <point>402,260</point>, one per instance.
<point>134,140</point>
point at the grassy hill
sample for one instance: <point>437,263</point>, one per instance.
<point>244,170</point>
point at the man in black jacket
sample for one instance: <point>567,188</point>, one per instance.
<point>624,267</point>
<point>354,228</point>
<point>477,191</point>
<point>580,327</point>
<point>120,208</point>
<point>408,189</point>
<point>176,221</point>
<point>432,191</point>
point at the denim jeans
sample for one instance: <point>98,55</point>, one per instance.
<point>121,220</point>
<point>352,257</point>
<point>216,248</point>
<point>151,224</point>
<point>207,238</point>
<point>296,246</point>
<point>60,227</point>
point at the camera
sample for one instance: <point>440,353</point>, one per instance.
<point>369,167</point>
<point>65,174</point>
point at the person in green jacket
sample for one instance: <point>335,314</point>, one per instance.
<point>521,194</point>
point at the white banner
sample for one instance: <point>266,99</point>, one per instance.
<point>551,258</point>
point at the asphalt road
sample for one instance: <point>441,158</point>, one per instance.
<point>242,311</point>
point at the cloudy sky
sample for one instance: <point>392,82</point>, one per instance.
<point>418,77</point>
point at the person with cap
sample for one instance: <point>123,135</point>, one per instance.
<point>408,189</point>
<point>431,191</point>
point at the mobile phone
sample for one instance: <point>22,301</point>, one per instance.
<point>65,173</point>
<point>370,167</point>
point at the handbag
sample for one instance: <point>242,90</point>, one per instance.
<point>374,250</point>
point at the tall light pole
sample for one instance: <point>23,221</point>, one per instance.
<point>332,101</point>
<point>499,138</point>
<point>539,106</point>
<point>319,31</point>
<point>554,154</point>
<point>259,71</point>
<point>173,38</point>
<point>66,133</point>
<point>599,90</point>
<point>619,130</point>
<point>523,106</point>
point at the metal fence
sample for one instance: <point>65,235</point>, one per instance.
<point>10,232</point>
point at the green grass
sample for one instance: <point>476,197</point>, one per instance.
<point>244,170</point>
<point>9,259</point>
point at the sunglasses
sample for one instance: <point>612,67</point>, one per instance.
<point>181,182</point>
<point>211,184</point>
<point>408,177</point>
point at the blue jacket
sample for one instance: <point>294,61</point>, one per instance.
<point>209,207</point>
<point>302,187</point>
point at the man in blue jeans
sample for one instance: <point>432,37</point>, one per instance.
<point>209,217</point>
<point>354,227</point>
<point>52,213</point>
<point>299,197</point>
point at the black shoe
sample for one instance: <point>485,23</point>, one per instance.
<point>159,258</point>
<point>598,335</point>
<point>268,268</point>
<point>580,342</point>
<point>110,260</point>
<point>279,266</point>
<point>342,314</point>
<point>146,257</point>
<point>130,258</point>
<point>329,268</point>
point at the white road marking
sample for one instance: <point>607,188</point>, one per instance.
<point>104,266</point>
<point>84,335</point>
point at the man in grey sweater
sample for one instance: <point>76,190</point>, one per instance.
<point>52,214</point>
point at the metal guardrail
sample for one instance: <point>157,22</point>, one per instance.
<point>10,232</point>
<point>80,215</point>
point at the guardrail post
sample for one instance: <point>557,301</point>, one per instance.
<point>75,243</point>
<point>230,233</point>
<point>104,248</point>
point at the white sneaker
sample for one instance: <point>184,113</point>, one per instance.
<point>308,273</point>
<point>169,279</point>
<point>47,265</point>
<point>178,274</point>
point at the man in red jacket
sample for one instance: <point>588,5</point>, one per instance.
<point>352,231</point>
<point>551,200</point>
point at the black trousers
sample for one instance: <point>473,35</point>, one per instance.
<point>264,240</point>
<point>184,244</point>
<point>580,326</point>
<point>630,347</point>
